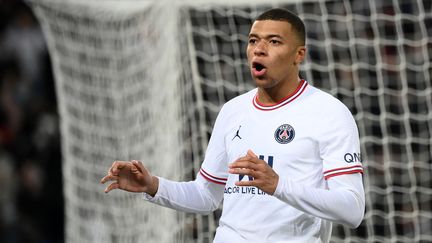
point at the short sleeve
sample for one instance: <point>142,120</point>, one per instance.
<point>339,143</point>
<point>215,166</point>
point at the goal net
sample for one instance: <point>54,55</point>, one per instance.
<point>145,80</point>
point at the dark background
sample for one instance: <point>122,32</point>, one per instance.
<point>31,200</point>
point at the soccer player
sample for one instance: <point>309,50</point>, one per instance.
<point>284,157</point>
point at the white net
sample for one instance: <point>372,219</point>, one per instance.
<point>132,79</point>
<point>117,90</point>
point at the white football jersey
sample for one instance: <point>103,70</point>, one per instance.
<point>308,137</point>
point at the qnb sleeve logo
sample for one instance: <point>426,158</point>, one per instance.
<point>284,134</point>
<point>353,157</point>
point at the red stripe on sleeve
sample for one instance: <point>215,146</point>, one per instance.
<point>214,179</point>
<point>343,173</point>
<point>343,168</point>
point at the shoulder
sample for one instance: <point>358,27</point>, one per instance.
<point>240,102</point>
<point>330,109</point>
<point>333,118</point>
<point>235,108</point>
<point>325,102</point>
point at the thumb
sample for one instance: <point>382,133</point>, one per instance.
<point>251,153</point>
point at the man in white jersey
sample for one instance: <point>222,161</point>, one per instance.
<point>284,157</point>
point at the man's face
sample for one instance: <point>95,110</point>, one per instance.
<point>274,53</point>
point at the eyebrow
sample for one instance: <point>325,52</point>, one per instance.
<point>266,36</point>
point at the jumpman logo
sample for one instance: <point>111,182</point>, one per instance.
<point>237,134</point>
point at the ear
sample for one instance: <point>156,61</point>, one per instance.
<point>300,55</point>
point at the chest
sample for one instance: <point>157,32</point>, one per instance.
<point>288,142</point>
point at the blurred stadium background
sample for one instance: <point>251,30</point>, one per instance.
<point>31,200</point>
<point>125,71</point>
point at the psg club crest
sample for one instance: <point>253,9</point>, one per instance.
<point>284,134</point>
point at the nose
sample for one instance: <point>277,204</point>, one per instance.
<point>260,49</point>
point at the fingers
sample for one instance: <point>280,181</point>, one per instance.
<point>248,162</point>
<point>113,172</point>
<point>244,168</point>
<point>126,175</point>
<point>112,186</point>
<point>248,183</point>
<point>244,164</point>
<point>116,166</point>
<point>266,180</point>
<point>109,177</point>
<point>251,154</point>
<point>244,171</point>
<point>247,165</point>
<point>139,165</point>
<point>260,174</point>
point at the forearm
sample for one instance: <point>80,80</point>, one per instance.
<point>199,196</point>
<point>343,202</point>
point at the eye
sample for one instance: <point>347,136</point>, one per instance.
<point>252,41</point>
<point>274,42</point>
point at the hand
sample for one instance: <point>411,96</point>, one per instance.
<point>265,178</point>
<point>131,176</point>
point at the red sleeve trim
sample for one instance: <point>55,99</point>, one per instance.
<point>343,170</point>
<point>343,173</point>
<point>214,179</point>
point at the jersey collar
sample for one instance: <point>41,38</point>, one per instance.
<point>300,88</point>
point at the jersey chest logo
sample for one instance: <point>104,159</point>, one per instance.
<point>284,134</point>
<point>237,135</point>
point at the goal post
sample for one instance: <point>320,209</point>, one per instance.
<point>145,80</point>
<point>117,90</point>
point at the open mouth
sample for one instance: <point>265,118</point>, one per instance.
<point>258,70</point>
<point>258,66</point>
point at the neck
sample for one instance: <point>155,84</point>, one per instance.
<point>273,95</point>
